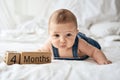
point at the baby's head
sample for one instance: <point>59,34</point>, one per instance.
<point>63,28</point>
<point>62,16</point>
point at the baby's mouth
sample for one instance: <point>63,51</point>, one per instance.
<point>62,46</point>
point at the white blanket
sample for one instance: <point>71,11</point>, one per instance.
<point>31,35</point>
<point>60,69</point>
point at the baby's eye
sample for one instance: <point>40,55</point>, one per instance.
<point>56,35</point>
<point>69,34</point>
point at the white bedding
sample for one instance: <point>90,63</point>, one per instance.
<point>64,70</point>
<point>61,69</point>
<point>99,19</point>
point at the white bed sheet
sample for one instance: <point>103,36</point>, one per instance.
<point>27,38</point>
<point>60,69</point>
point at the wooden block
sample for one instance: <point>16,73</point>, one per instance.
<point>35,57</point>
<point>12,57</point>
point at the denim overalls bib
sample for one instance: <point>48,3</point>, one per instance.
<point>75,48</point>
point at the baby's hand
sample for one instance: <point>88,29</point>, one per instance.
<point>104,62</point>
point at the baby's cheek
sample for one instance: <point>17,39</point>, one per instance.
<point>55,43</point>
<point>70,43</point>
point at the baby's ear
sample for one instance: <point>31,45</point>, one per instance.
<point>77,30</point>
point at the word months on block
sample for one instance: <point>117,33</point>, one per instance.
<point>35,57</point>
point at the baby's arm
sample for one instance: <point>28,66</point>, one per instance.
<point>45,47</point>
<point>93,52</point>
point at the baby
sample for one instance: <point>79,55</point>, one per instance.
<point>67,43</point>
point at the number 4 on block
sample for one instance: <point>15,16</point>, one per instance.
<point>12,57</point>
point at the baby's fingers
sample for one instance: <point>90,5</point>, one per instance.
<point>108,62</point>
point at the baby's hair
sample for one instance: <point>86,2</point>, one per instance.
<point>62,16</point>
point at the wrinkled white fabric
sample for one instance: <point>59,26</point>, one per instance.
<point>64,70</point>
<point>61,69</point>
<point>96,18</point>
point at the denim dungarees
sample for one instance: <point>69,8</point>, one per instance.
<point>75,48</point>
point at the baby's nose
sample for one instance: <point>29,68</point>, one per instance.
<point>62,39</point>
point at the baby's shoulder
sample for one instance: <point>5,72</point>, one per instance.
<point>82,42</point>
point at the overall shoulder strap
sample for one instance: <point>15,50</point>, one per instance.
<point>55,51</point>
<point>75,48</point>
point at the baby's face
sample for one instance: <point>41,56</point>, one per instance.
<point>63,35</point>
